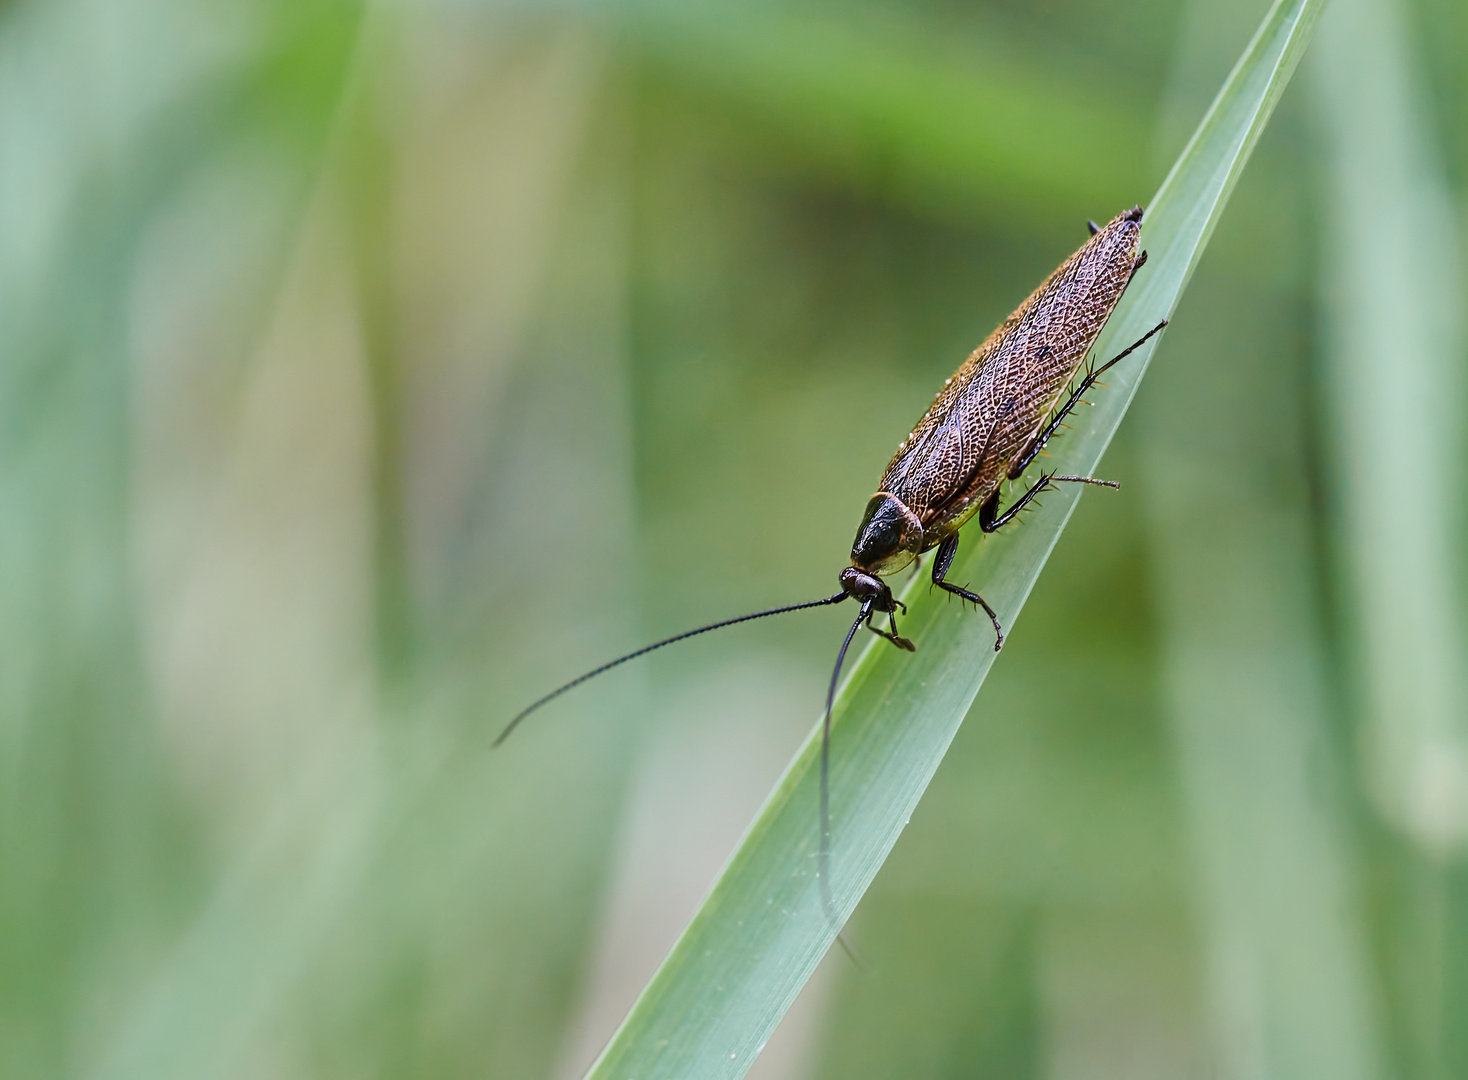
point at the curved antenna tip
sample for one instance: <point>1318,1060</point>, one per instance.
<point>594,672</point>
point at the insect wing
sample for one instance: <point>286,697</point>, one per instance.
<point>956,444</point>
<point>989,412</point>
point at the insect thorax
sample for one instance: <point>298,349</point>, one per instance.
<point>889,537</point>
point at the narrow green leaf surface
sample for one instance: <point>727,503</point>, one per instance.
<point>759,935</point>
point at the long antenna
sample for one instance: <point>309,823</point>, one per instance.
<point>823,862</point>
<point>658,645</point>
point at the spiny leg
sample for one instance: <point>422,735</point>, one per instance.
<point>941,562</point>
<point>989,523</point>
<point>987,519</point>
<point>1087,480</point>
<point>1023,461</point>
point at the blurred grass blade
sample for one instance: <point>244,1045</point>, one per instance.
<point>1393,375</point>
<point>1394,380</point>
<point>712,1005</point>
<point>1286,980</point>
<point>889,104</point>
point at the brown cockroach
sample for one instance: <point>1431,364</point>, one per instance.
<point>986,426</point>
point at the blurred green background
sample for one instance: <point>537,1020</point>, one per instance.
<point>365,371</point>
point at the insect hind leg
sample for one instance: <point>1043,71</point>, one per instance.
<point>1024,460</point>
<point>990,523</point>
<point>987,519</point>
<point>1087,480</point>
<point>944,559</point>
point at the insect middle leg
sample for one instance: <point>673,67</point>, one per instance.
<point>941,562</point>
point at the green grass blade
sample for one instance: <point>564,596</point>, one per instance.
<point>761,932</point>
<point>1394,348</point>
<point>1279,891</point>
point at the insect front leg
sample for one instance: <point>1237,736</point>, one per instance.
<point>894,637</point>
<point>941,562</point>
